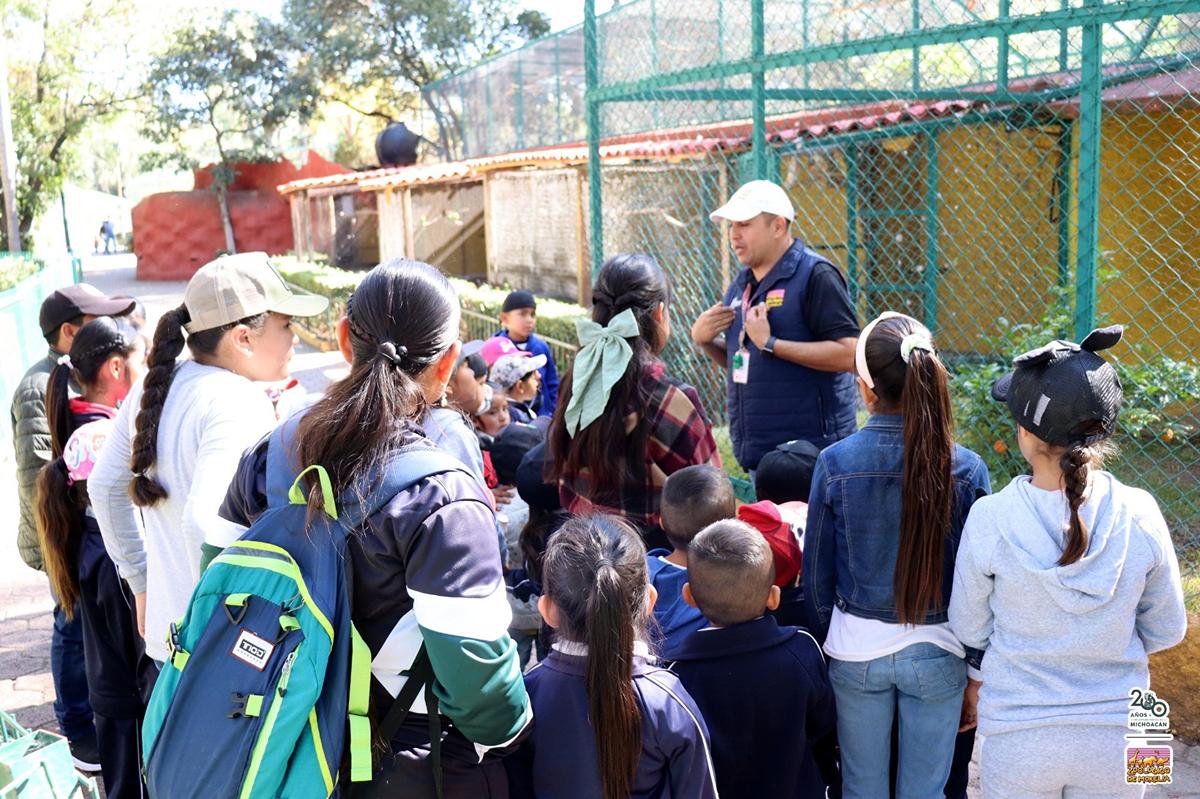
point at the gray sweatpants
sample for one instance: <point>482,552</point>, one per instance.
<point>1067,762</point>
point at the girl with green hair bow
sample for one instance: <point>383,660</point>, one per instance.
<point>623,424</point>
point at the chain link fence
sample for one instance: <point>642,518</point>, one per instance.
<point>1008,171</point>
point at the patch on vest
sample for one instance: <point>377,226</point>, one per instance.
<point>249,648</point>
<point>775,298</point>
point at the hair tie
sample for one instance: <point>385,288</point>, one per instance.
<point>915,341</point>
<point>392,352</point>
<point>65,360</point>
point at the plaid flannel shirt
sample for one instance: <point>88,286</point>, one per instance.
<point>679,435</point>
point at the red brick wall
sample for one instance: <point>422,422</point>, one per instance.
<point>175,233</point>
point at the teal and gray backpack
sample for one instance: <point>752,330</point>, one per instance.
<point>267,685</point>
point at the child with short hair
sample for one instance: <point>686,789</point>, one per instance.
<point>693,498</point>
<point>782,482</point>
<point>518,321</point>
<point>608,723</point>
<point>762,688</point>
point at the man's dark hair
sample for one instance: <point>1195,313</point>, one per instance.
<point>693,498</point>
<point>730,572</point>
<point>52,336</point>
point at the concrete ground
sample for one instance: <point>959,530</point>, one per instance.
<point>26,689</point>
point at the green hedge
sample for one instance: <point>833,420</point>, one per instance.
<point>15,268</point>
<point>556,319</point>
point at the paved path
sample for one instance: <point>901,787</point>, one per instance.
<point>25,621</point>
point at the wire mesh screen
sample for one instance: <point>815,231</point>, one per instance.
<point>532,97</point>
<point>1007,171</point>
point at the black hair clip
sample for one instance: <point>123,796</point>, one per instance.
<point>392,352</point>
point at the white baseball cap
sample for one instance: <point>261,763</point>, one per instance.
<point>235,287</point>
<point>754,198</point>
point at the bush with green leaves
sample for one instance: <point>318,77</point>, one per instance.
<point>556,319</point>
<point>15,268</point>
<point>1158,447</point>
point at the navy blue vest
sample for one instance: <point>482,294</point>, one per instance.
<point>782,400</point>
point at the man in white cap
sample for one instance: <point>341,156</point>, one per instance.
<point>788,329</point>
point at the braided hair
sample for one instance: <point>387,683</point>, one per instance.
<point>144,489</point>
<point>1076,462</point>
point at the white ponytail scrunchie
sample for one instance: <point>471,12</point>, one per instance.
<point>915,341</point>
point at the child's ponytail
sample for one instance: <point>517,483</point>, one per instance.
<point>616,718</point>
<point>1076,462</point>
<point>56,510</point>
<point>58,406</point>
<point>144,490</point>
<point>909,377</point>
<point>595,573</point>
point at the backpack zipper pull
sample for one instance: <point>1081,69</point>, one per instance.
<point>286,673</point>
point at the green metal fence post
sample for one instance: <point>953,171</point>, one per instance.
<point>931,230</point>
<point>1064,41</point>
<point>591,72</point>
<point>1002,51</point>
<point>1062,199</point>
<point>758,90</point>
<point>1087,249</point>
<point>851,156</point>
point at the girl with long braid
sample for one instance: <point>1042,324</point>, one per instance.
<point>176,443</point>
<point>1068,578</point>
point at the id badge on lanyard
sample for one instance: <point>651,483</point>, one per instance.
<point>739,367</point>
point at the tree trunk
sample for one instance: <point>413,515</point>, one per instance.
<point>226,219</point>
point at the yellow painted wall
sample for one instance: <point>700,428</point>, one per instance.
<point>998,226</point>
<point>998,231</point>
<point>1150,229</point>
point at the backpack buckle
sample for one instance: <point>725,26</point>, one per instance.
<point>239,705</point>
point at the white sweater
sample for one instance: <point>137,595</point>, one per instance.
<point>211,416</point>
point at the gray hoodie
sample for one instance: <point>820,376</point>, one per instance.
<point>1065,643</point>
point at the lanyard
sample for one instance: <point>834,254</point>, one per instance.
<point>745,306</point>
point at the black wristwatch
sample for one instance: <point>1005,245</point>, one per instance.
<point>769,347</point>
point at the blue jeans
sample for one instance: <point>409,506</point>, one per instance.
<point>71,706</point>
<point>922,682</point>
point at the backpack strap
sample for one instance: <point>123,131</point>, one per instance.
<point>419,674</point>
<point>406,468</point>
<point>280,472</point>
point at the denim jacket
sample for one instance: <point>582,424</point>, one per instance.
<point>853,533</point>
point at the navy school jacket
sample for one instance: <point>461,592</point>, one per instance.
<point>558,761</point>
<point>766,697</point>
